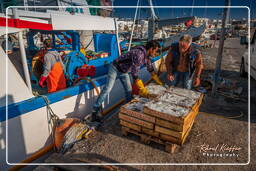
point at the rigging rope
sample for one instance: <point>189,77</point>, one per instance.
<point>138,18</point>
<point>133,25</point>
<point>192,10</point>
<point>52,118</point>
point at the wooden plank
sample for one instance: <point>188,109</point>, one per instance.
<point>130,125</point>
<point>167,124</point>
<point>196,109</point>
<point>201,99</point>
<point>195,106</point>
<point>186,134</point>
<point>128,130</point>
<point>176,140</point>
<point>143,137</point>
<point>169,132</point>
<point>185,117</point>
<point>174,119</point>
<point>189,120</point>
<point>169,145</point>
<point>150,132</point>
<point>169,138</point>
<point>136,121</point>
<point>138,115</point>
<point>124,130</point>
<point>198,103</point>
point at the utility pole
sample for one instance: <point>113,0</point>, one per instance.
<point>151,29</point>
<point>216,33</point>
<point>221,46</point>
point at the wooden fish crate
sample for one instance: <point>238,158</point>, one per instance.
<point>159,126</point>
<point>147,139</point>
<point>136,114</point>
<point>172,128</point>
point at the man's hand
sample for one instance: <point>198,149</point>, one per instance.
<point>143,92</point>
<point>42,81</point>
<point>197,82</point>
<point>62,54</point>
<point>170,77</point>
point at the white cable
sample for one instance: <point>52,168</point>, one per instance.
<point>192,10</point>
<point>152,10</point>
<point>133,25</point>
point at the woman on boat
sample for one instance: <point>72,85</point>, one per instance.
<point>129,62</point>
<point>53,69</point>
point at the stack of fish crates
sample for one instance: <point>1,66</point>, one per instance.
<point>166,119</point>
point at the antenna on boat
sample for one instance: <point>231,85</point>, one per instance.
<point>151,22</point>
<point>133,25</point>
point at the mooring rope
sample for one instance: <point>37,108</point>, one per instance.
<point>52,118</point>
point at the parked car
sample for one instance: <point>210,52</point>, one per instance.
<point>244,59</point>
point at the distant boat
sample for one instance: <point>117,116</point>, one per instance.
<point>194,32</point>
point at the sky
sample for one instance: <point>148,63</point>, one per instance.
<point>238,13</point>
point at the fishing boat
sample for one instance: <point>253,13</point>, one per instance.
<point>24,120</point>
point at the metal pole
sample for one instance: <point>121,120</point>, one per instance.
<point>151,29</point>
<point>23,54</point>
<point>117,37</point>
<point>151,22</point>
<point>216,33</point>
<point>152,10</point>
<point>133,25</point>
<point>26,4</point>
<point>59,4</point>
<point>220,50</point>
<point>192,10</point>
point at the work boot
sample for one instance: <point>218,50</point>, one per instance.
<point>95,117</point>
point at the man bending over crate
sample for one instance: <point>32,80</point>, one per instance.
<point>184,63</point>
<point>120,68</point>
